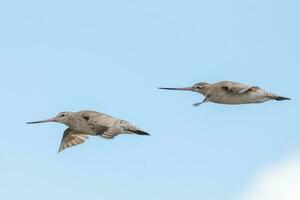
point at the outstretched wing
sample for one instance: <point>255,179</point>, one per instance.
<point>71,138</point>
<point>237,88</point>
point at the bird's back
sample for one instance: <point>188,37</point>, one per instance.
<point>86,120</point>
<point>109,126</point>
<point>228,92</point>
<point>97,117</point>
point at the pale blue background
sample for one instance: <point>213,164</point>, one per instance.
<point>111,56</point>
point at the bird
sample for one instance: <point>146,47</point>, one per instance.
<point>83,124</point>
<point>232,93</point>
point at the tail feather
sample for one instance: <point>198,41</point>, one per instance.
<point>132,128</point>
<point>140,132</point>
<point>280,98</point>
<point>277,97</point>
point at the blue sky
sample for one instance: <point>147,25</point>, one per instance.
<point>111,56</point>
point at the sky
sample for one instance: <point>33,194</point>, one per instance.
<point>111,56</point>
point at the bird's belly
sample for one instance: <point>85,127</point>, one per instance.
<point>240,99</point>
<point>90,133</point>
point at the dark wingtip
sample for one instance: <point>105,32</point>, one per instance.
<point>142,133</point>
<point>60,149</point>
<point>282,98</point>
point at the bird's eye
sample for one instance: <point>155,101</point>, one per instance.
<point>62,115</point>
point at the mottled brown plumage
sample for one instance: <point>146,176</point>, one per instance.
<point>227,92</point>
<point>90,123</point>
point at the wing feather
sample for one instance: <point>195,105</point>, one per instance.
<point>237,88</point>
<point>71,138</point>
<point>103,125</point>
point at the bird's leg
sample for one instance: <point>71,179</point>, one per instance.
<point>199,103</point>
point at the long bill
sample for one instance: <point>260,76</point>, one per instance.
<point>183,88</point>
<point>43,121</point>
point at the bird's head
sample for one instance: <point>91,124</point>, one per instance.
<point>200,87</point>
<point>62,117</point>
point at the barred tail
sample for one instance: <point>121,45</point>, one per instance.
<point>131,128</point>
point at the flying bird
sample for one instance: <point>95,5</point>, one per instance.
<point>87,123</point>
<point>227,92</point>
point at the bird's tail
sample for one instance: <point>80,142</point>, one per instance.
<point>277,98</point>
<point>140,132</point>
<point>280,98</point>
<point>132,128</point>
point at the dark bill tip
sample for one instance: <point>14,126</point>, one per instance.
<point>163,88</point>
